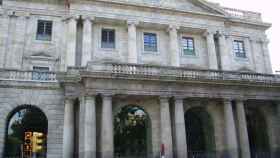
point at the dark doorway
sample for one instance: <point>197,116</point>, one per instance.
<point>132,133</point>
<point>24,119</point>
<point>200,134</point>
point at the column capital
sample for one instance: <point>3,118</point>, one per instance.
<point>71,17</point>
<point>132,22</point>
<point>173,27</point>
<point>209,33</point>
<point>164,97</point>
<point>179,97</point>
<point>88,18</point>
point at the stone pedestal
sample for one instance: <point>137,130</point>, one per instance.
<point>230,131</point>
<point>244,145</point>
<point>68,129</point>
<point>107,137</point>
<point>174,46</point>
<point>132,42</point>
<point>165,123</point>
<point>71,42</point>
<point>180,131</point>
<point>87,41</point>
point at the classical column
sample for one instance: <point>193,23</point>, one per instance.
<point>266,56</point>
<point>180,131</point>
<point>212,56</point>
<point>89,127</point>
<point>71,42</point>
<point>224,53</point>
<point>244,145</point>
<point>165,124</point>
<point>107,137</point>
<point>174,46</point>
<point>87,41</point>
<point>68,129</point>
<point>132,42</point>
<point>230,130</point>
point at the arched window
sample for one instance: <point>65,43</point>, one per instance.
<point>257,132</point>
<point>132,132</point>
<point>200,133</point>
<point>24,119</point>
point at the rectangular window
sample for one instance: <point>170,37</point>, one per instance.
<point>108,38</point>
<point>239,49</point>
<point>150,42</point>
<point>188,46</point>
<point>44,30</point>
<point>40,73</point>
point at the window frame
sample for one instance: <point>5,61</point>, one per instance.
<point>156,51</point>
<point>102,46</point>
<point>238,50</point>
<point>183,46</point>
<point>44,36</point>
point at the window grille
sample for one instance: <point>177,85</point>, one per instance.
<point>44,30</point>
<point>150,42</point>
<point>108,38</point>
<point>188,46</point>
<point>40,73</point>
<point>239,49</point>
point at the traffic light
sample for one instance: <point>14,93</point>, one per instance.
<point>37,142</point>
<point>27,148</point>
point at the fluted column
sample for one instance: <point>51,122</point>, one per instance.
<point>89,127</point>
<point>266,56</point>
<point>180,131</point>
<point>71,42</point>
<point>212,56</point>
<point>68,129</point>
<point>224,53</point>
<point>242,130</point>
<point>132,42</point>
<point>107,137</point>
<point>230,130</point>
<point>165,122</point>
<point>87,41</point>
<point>174,46</point>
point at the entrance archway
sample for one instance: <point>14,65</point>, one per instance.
<point>23,119</point>
<point>200,133</point>
<point>132,133</point>
<point>257,132</point>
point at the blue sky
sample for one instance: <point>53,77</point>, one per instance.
<point>270,13</point>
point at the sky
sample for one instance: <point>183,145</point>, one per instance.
<point>270,13</point>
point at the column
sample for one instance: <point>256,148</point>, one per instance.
<point>174,46</point>
<point>165,124</point>
<point>71,42</point>
<point>89,127</point>
<point>212,56</point>
<point>224,53</point>
<point>68,130</point>
<point>107,137</point>
<point>180,131</point>
<point>230,130</point>
<point>132,42</point>
<point>244,145</point>
<point>87,41</point>
<point>266,56</point>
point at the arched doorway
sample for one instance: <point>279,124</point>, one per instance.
<point>132,133</point>
<point>200,134</point>
<point>23,119</point>
<point>257,132</point>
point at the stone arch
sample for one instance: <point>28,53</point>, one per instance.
<point>23,124</point>
<point>136,143</point>
<point>199,132</point>
<point>258,139</point>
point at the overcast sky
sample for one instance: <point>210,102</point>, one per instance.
<point>270,13</point>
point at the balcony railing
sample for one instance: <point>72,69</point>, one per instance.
<point>19,75</point>
<point>248,15</point>
<point>165,72</point>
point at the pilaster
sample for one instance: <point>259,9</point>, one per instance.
<point>174,46</point>
<point>71,41</point>
<point>87,40</point>
<point>132,42</point>
<point>212,56</point>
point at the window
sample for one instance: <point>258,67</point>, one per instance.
<point>188,46</point>
<point>239,49</point>
<point>150,42</point>
<point>44,30</point>
<point>40,73</point>
<point>108,38</point>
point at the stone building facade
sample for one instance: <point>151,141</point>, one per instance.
<point>80,62</point>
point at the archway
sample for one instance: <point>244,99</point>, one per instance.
<point>257,132</point>
<point>23,119</point>
<point>132,133</point>
<point>200,133</point>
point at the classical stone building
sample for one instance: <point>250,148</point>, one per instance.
<point>138,78</point>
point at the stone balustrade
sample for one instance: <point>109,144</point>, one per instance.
<point>20,75</point>
<point>248,15</point>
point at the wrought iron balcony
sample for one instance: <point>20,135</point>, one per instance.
<point>20,75</point>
